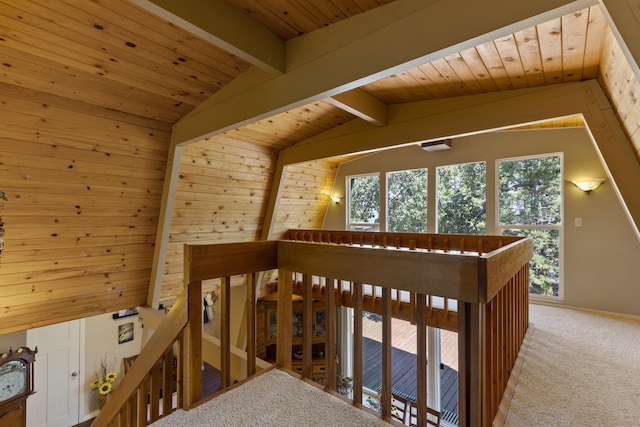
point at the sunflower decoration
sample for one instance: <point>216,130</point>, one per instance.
<point>105,388</point>
<point>105,380</point>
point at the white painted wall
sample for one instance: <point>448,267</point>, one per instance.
<point>601,258</point>
<point>101,341</point>
<point>15,340</point>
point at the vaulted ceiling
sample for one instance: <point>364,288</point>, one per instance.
<point>101,199</point>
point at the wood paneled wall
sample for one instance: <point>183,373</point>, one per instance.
<point>621,85</point>
<point>305,196</point>
<point>222,196</point>
<point>84,185</point>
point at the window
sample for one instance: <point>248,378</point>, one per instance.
<point>461,198</point>
<point>530,204</point>
<point>364,202</point>
<point>407,201</point>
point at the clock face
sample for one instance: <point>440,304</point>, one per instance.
<point>13,380</point>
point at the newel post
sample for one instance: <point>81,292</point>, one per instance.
<point>285,319</point>
<point>191,363</point>
<point>193,347</point>
<point>471,364</point>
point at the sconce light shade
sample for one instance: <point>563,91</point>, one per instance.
<point>588,185</point>
<point>336,198</point>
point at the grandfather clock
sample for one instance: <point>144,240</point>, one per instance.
<point>16,384</point>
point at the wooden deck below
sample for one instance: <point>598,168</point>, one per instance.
<point>403,338</point>
<point>404,374</point>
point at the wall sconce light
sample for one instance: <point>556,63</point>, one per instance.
<point>587,185</point>
<point>336,198</point>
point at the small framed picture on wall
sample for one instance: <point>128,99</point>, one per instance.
<point>125,333</point>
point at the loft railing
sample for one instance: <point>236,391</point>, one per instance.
<point>486,276</point>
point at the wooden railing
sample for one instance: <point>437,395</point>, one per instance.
<point>486,276</point>
<point>136,401</point>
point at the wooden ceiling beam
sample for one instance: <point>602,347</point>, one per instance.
<point>361,104</point>
<point>364,48</point>
<point>220,23</point>
<point>457,117</point>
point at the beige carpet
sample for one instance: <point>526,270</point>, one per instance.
<point>581,369</point>
<point>273,399</point>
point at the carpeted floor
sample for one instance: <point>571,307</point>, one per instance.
<point>581,369</point>
<point>272,399</point>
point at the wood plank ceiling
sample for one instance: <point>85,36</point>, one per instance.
<point>88,94</point>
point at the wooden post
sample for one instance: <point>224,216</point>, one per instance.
<point>251,324</point>
<point>307,325</point>
<point>471,365</point>
<point>285,319</point>
<point>386,353</point>
<point>357,342</point>
<point>330,334</point>
<point>225,333</point>
<point>421,356</point>
<point>194,342</point>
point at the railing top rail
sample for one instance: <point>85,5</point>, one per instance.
<point>480,244</point>
<point>212,261</point>
<point>443,265</point>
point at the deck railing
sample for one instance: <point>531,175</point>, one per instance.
<point>485,276</point>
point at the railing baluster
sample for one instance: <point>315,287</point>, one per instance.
<point>225,337</point>
<point>142,401</point>
<point>421,357</point>
<point>357,342</point>
<point>167,382</point>
<point>307,319</point>
<point>386,353</point>
<point>251,323</point>
<point>330,334</point>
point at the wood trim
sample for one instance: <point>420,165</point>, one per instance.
<point>499,266</point>
<point>170,187</point>
<point>361,104</point>
<point>279,177</point>
<point>202,260</point>
<point>446,275</point>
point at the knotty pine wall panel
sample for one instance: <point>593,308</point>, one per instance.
<point>84,185</point>
<point>622,88</point>
<point>305,196</point>
<point>222,193</point>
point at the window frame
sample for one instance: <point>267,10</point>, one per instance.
<point>559,227</point>
<point>386,195</point>
<point>350,224</point>
<point>437,194</point>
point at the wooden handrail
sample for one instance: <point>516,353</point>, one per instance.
<point>479,244</point>
<point>171,326</point>
<point>486,275</point>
